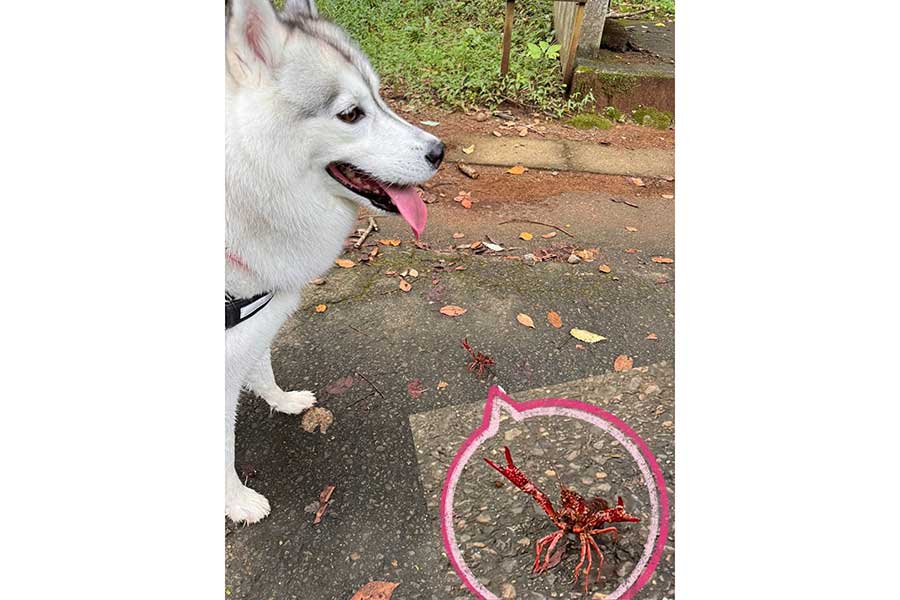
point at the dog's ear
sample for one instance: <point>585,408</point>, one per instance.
<point>294,10</point>
<point>255,34</point>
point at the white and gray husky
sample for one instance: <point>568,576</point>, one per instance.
<point>308,140</point>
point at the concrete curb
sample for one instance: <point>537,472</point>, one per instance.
<point>562,155</point>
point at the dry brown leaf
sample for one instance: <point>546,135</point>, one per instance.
<point>525,320</point>
<point>587,255</point>
<point>320,308</point>
<point>344,263</point>
<point>405,285</point>
<point>547,236</point>
<point>458,235</point>
<point>631,229</point>
<point>623,363</point>
<point>637,181</point>
<point>663,260</point>
<point>466,203</point>
<point>631,250</point>
<point>554,319</point>
<point>452,311</point>
<point>604,269</point>
<point>442,384</point>
<point>389,242</point>
<point>516,170</point>
<point>314,417</point>
<point>373,252</point>
<point>651,336</point>
<point>375,590</point>
<point>475,245</point>
<point>668,196</point>
<point>324,498</point>
<point>525,235</point>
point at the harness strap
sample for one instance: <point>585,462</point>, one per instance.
<point>238,310</point>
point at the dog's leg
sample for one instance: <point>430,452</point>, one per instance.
<point>262,383</point>
<point>241,503</point>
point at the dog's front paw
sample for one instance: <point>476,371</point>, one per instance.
<point>292,403</point>
<point>244,505</point>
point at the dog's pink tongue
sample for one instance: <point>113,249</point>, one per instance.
<point>411,207</point>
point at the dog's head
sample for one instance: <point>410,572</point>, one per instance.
<point>306,100</point>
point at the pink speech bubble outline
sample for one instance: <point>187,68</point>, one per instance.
<point>498,401</point>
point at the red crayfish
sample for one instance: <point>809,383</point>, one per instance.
<point>479,361</point>
<point>584,518</point>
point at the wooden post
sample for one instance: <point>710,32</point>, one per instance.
<point>569,70</point>
<point>507,36</point>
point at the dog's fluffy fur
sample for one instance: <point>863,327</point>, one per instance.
<point>292,82</point>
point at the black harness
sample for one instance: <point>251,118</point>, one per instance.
<point>238,310</point>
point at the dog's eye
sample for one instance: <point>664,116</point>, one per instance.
<point>351,115</point>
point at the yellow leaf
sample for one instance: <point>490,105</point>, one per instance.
<point>554,319</point>
<point>389,242</point>
<point>604,269</point>
<point>586,336</point>
<point>516,170</point>
<point>452,311</point>
<point>320,308</point>
<point>469,149</point>
<point>525,236</point>
<point>344,263</point>
<point>525,320</point>
<point>623,363</point>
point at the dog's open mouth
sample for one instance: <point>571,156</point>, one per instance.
<point>386,196</point>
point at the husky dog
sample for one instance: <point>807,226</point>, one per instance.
<point>308,140</point>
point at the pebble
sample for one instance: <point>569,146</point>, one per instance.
<point>483,518</point>
<point>600,475</point>
<point>529,258</point>
<point>652,389</point>
<point>481,117</point>
<point>507,591</point>
<point>573,260</point>
<point>550,473</point>
<point>524,542</point>
<point>354,556</point>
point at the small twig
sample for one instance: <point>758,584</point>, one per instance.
<point>366,233</point>
<point>373,386</point>
<point>628,15</point>
<point>623,201</point>
<point>538,223</point>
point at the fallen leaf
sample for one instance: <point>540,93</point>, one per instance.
<point>320,308</point>
<point>623,363</point>
<point>516,170</point>
<point>523,131</point>
<point>497,134</point>
<point>339,386</point>
<point>344,263</point>
<point>630,250</point>
<point>462,196</point>
<point>458,235</point>
<point>475,245</point>
<point>405,285</point>
<point>373,252</point>
<point>494,247</point>
<point>637,181</point>
<point>663,260</point>
<point>324,498</point>
<point>317,281</point>
<point>587,255</point>
<point>375,590</point>
<point>631,229</point>
<point>452,311</point>
<point>525,235</point>
<point>466,203</point>
<point>668,196</point>
<point>414,388</point>
<point>314,417</point>
<point>651,336</point>
<point>547,236</point>
<point>586,336</point>
<point>467,170</point>
<point>525,320</point>
<point>604,269</point>
<point>413,273</point>
<point>469,149</point>
<point>442,384</point>
<point>390,273</point>
<point>554,319</point>
<point>430,123</point>
<point>389,242</point>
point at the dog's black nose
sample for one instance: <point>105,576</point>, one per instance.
<point>436,154</point>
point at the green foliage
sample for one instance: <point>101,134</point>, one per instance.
<point>651,117</point>
<point>661,8</point>
<point>613,114</point>
<point>448,51</point>
<point>590,121</point>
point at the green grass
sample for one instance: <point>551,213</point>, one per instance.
<point>661,8</point>
<point>651,117</point>
<point>448,51</point>
<point>590,121</point>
